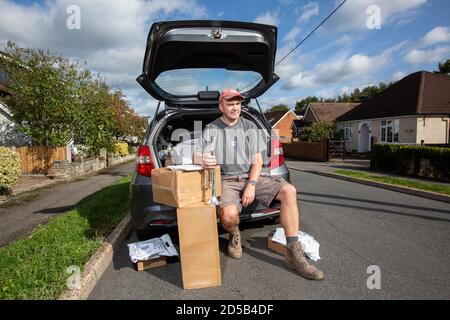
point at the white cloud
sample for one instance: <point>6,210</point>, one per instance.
<point>112,37</point>
<point>353,16</point>
<point>269,17</point>
<point>436,35</point>
<point>292,35</point>
<point>326,93</point>
<point>345,90</point>
<point>417,56</point>
<point>341,68</point>
<point>286,2</point>
<point>299,80</point>
<point>398,76</point>
<point>308,11</point>
<point>344,40</point>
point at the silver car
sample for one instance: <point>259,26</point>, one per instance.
<point>186,65</point>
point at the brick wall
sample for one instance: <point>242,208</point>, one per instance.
<point>67,170</point>
<point>284,127</point>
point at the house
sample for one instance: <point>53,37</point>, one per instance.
<point>282,121</point>
<point>10,135</point>
<point>414,110</point>
<point>320,112</point>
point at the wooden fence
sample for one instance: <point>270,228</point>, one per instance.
<point>307,151</point>
<point>336,149</point>
<point>39,159</point>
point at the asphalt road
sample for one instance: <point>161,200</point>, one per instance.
<point>28,210</point>
<point>357,226</point>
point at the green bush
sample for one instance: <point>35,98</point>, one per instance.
<point>419,161</point>
<point>121,148</point>
<point>10,169</point>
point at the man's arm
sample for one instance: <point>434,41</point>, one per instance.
<point>255,170</point>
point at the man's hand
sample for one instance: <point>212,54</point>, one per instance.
<point>208,161</point>
<point>249,195</point>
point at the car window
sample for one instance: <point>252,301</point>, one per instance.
<point>187,82</point>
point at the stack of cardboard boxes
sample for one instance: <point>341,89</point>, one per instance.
<point>189,192</point>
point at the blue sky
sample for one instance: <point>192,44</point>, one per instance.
<point>342,55</point>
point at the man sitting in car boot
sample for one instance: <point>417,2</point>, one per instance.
<point>235,143</point>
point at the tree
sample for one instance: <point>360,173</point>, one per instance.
<point>444,68</point>
<point>127,123</point>
<point>300,106</point>
<point>362,95</point>
<point>279,107</point>
<point>43,87</point>
<point>319,131</point>
<point>55,101</point>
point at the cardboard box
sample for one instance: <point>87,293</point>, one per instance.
<point>199,246</point>
<point>179,189</point>
<point>153,263</point>
<point>276,246</point>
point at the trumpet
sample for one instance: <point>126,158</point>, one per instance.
<point>212,178</point>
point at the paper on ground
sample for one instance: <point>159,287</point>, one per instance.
<point>309,245</point>
<point>186,167</point>
<point>152,249</point>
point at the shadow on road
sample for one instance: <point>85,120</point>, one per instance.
<point>56,210</point>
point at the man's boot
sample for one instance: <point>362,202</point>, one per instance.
<point>295,258</point>
<point>234,246</point>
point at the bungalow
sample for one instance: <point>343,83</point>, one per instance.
<point>282,121</point>
<point>414,110</point>
<point>320,112</point>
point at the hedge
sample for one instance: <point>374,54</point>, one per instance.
<point>121,148</point>
<point>418,161</point>
<point>10,169</point>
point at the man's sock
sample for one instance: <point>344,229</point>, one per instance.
<point>290,240</point>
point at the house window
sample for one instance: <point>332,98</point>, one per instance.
<point>348,132</point>
<point>389,131</point>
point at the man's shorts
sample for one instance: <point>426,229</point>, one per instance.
<point>267,188</point>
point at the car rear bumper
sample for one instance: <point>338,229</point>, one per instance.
<point>147,215</point>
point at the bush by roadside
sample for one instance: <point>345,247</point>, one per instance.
<point>35,267</point>
<point>10,169</point>
<point>121,148</point>
<point>419,161</point>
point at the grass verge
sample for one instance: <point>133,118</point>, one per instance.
<point>35,267</point>
<point>433,187</point>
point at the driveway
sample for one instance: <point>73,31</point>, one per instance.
<point>30,209</point>
<point>357,226</point>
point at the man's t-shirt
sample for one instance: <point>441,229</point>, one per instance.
<point>234,146</point>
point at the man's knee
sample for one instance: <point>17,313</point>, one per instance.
<point>229,215</point>
<point>287,193</point>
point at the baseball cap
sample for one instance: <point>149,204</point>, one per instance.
<point>229,93</point>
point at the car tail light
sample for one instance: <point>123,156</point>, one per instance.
<point>277,158</point>
<point>144,161</point>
